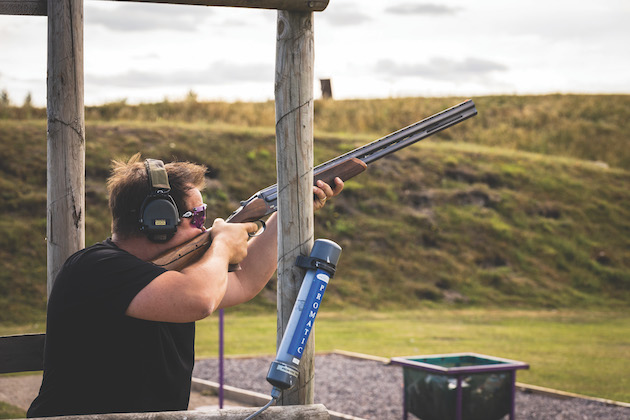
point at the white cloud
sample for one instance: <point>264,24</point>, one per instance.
<point>421,9</point>
<point>441,68</point>
<point>344,14</point>
<point>218,73</point>
<point>136,17</point>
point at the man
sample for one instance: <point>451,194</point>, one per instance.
<point>120,330</point>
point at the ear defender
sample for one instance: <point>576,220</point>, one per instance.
<point>158,214</point>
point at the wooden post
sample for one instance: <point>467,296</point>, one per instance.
<point>326,88</point>
<point>65,230</point>
<point>294,149</point>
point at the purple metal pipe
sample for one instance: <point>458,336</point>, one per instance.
<point>458,408</point>
<point>513,374</point>
<point>220,358</point>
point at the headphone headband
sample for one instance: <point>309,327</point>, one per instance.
<point>158,178</point>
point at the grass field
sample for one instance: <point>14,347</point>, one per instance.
<point>8,411</point>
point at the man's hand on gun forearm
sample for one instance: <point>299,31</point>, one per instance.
<point>323,192</point>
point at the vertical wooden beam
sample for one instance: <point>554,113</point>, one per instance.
<point>65,230</point>
<point>294,149</point>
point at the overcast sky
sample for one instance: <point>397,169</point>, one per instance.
<point>369,48</point>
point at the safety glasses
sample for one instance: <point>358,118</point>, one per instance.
<point>197,216</point>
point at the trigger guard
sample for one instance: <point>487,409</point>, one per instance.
<point>260,231</point>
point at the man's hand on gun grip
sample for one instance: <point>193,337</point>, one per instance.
<point>233,238</point>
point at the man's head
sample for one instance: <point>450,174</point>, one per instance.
<point>128,186</point>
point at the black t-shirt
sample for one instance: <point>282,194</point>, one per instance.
<point>97,359</point>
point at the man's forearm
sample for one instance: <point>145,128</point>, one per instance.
<point>256,269</point>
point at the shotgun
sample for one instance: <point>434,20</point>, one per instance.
<point>346,166</point>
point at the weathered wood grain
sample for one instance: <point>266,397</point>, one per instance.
<point>302,412</point>
<point>293,5</point>
<point>294,148</point>
<point>65,231</point>
<point>23,7</point>
<point>39,7</point>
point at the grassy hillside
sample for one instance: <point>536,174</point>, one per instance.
<point>507,209</point>
<point>591,127</point>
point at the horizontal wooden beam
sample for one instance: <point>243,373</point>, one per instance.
<point>22,353</point>
<point>292,412</point>
<point>293,5</point>
<point>23,7</point>
<point>39,7</point>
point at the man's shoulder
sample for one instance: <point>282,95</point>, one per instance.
<point>105,247</point>
<point>105,252</point>
<point>100,269</point>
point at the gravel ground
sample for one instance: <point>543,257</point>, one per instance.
<point>373,390</point>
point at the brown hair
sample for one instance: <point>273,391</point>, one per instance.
<point>128,186</point>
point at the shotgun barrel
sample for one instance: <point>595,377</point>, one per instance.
<point>384,146</point>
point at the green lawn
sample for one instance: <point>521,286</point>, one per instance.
<point>8,411</point>
<point>582,352</point>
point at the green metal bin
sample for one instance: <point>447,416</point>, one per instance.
<point>458,386</point>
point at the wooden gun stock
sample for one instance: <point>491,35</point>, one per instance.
<point>185,254</point>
